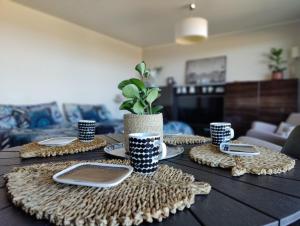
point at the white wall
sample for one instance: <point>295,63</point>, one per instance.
<point>245,53</point>
<point>43,58</point>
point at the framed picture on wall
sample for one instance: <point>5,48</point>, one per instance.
<point>206,71</point>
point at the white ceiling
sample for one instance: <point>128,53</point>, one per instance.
<point>151,22</point>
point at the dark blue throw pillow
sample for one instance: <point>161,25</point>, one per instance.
<point>40,118</point>
<point>89,113</point>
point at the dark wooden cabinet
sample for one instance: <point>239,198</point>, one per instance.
<point>269,101</point>
<point>196,106</point>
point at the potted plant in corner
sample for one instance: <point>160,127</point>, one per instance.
<point>143,116</point>
<point>277,64</point>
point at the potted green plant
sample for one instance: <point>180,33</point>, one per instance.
<point>277,64</point>
<point>143,116</point>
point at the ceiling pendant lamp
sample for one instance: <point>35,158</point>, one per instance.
<point>191,30</point>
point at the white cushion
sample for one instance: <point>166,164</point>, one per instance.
<point>294,119</point>
<point>285,129</point>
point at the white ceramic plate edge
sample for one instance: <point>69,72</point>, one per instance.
<point>113,183</point>
<point>107,151</point>
<point>44,142</point>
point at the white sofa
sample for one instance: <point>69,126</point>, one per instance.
<point>267,132</point>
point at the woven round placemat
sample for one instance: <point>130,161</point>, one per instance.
<point>185,139</point>
<point>35,150</point>
<point>266,163</point>
<point>137,199</point>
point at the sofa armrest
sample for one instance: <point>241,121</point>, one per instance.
<point>294,119</point>
<point>264,126</point>
<point>4,138</point>
<point>258,142</point>
<point>267,136</point>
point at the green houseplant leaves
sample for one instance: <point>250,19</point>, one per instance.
<point>139,97</point>
<point>277,64</point>
<point>157,109</point>
<point>130,91</point>
<point>138,108</point>
<point>138,83</point>
<point>152,95</point>
<point>141,68</point>
<point>127,105</point>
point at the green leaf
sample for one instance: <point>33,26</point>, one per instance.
<point>123,84</point>
<point>140,68</point>
<point>126,105</point>
<point>127,109</point>
<point>130,91</point>
<point>152,95</point>
<point>139,83</point>
<point>138,108</point>
<point>157,109</point>
<point>147,73</point>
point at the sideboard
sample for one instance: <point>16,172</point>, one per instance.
<point>270,101</point>
<point>240,103</point>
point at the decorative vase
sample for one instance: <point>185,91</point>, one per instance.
<point>141,124</point>
<point>277,75</point>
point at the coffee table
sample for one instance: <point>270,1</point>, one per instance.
<point>247,200</point>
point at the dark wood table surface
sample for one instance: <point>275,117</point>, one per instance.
<point>245,200</point>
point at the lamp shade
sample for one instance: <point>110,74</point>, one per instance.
<point>191,30</point>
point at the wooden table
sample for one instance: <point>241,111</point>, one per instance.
<point>246,200</point>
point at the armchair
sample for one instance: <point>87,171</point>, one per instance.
<point>267,131</point>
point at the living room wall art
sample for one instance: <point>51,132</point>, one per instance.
<point>206,71</point>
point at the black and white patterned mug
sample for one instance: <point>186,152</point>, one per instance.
<point>221,132</point>
<point>86,130</point>
<point>144,152</point>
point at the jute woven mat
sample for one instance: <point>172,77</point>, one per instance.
<point>185,139</point>
<point>267,163</point>
<point>137,199</point>
<point>35,150</point>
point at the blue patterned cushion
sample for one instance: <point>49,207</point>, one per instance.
<point>76,112</point>
<point>50,108</point>
<point>174,127</point>
<point>104,113</point>
<point>21,118</point>
<point>40,118</point>
<point>26,116</point>
<point>72,112</point>
<point>89,113</point>
<point>7,120</point>
<point>11,116</point>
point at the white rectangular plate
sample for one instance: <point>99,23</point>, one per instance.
<point>238,149</point>
<point>99,175</point>
<point>57,141</point>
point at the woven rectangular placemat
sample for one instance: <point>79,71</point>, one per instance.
<point>136,200</point>
<point>36,150</point>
